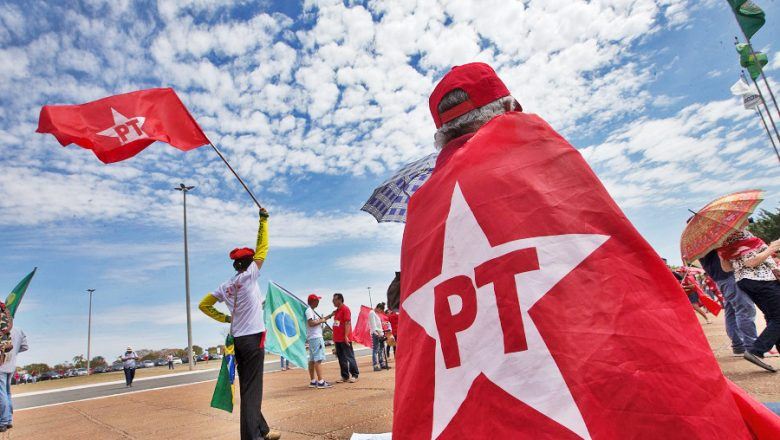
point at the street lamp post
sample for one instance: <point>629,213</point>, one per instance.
<point>89,329</point>
<point>184,189</point>
<point>370,301</point>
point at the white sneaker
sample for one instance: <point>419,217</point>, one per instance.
<point>313,384</point>
<point>352,379</point>
<point>771,354</point>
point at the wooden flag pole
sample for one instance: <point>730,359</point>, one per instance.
<point>219,153</point>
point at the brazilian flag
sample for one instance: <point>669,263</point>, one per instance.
<point>285,322</point>
<point>225,389</point>
<point>15,297</point>
<point>749,16</point>
<point>748,61</point>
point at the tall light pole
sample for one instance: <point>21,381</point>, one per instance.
<point>89,328</point>
<point>184,189</point>
<point>369,297</point>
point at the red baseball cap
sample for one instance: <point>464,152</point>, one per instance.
<point>239,253</point>
<point>312,297</point>
<point>478,80</point>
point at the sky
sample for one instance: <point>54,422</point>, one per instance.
<point>315,103</point>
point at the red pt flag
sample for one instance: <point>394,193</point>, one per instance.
<point>119,127</point>
<point>532,308</point>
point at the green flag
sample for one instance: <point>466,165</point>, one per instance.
<point>749,16</point>
<point>285,322</point>
<point>225,388</point>
<point>15,297</point>
<point>748,61</point>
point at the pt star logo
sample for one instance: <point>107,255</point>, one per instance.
<point>125,129</point>
<point>476,310</point>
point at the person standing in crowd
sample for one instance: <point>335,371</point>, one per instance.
<point>377,337</point>
<point>244,298</point>
<point>342,337</point>
<point>739,310</point>
<point>8,369</point>
<point>316,343</point>
<point>128,364</point>
<point>392,316</point>
<point>756,274</point>
<point>284,363</point>
<point>170,361</point>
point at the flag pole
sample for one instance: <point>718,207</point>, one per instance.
<point>763,101</point>
<point>219,153</point>
<point>771,139</point>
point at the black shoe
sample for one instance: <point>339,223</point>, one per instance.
<point>750,357</point>
<point>3,428</point>
<point>9,426</point>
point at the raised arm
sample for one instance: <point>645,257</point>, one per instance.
<point>207,306</point>
<point>261,249</point>
<point>764,255</point>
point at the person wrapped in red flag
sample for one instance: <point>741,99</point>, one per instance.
<point>119,127</point>
<point>536,308</point>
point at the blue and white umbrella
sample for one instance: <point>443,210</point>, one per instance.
<point>389,201</point>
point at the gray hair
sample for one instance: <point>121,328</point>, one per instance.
<point>471,121</point>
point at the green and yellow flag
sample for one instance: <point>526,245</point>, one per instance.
<point>285,322</point>
<point>748,61</point>
<point>749,16</point>
<point>225,388</point>
<point>15,297</point>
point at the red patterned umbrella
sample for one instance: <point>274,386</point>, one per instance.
<point>710,227</point>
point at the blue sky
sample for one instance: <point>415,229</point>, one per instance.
<point>315,103</point>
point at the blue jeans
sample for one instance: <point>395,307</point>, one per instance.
<point>6,406</point>
<point>740,314</point>
<point>284,363</point>
<point>378,351</point>
<point>766,296</point>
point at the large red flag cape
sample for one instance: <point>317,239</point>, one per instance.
<point>360,333</point>
<point>119,127</point>
<point>532,308</point>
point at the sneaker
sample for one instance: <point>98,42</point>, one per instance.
<point>377,369</point>
<point>738,353</point>
<point>342,380</point>
<point>273,435</point>
<point>772,353</point>
<point>352,380</point>
<point>750,357</point>
<point>313,384</point>
<point>322,385</point>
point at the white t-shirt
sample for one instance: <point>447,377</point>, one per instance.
<point>312,332</point>
<point>19,340</point>
<point>374,322</point>
<point>248,315</point>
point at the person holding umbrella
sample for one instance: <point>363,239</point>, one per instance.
<point>755,271</point>
<point>243,296</point>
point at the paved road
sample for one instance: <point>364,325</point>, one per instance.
<point>64,396</point>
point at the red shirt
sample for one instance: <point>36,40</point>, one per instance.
<point>393,318</point>
<point>342,316</point>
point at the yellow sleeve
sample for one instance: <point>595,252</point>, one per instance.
<point>207,306</point>
<point>261,249</point>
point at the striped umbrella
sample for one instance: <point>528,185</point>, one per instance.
<point>389,201</point>
<point>716,221</point>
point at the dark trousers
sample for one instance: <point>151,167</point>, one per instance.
<point>129,375</point>
<point>766,296</point>
<point>249,362</point>
<point>170,365</point>
<point>347,361</point>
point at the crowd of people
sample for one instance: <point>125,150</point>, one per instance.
<point>744,273</point>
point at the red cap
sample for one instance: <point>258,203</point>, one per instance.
<point>239,253</point>
<point>312,297</point>
<point>478,80</point>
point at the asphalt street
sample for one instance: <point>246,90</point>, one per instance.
<point>55,397</point>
